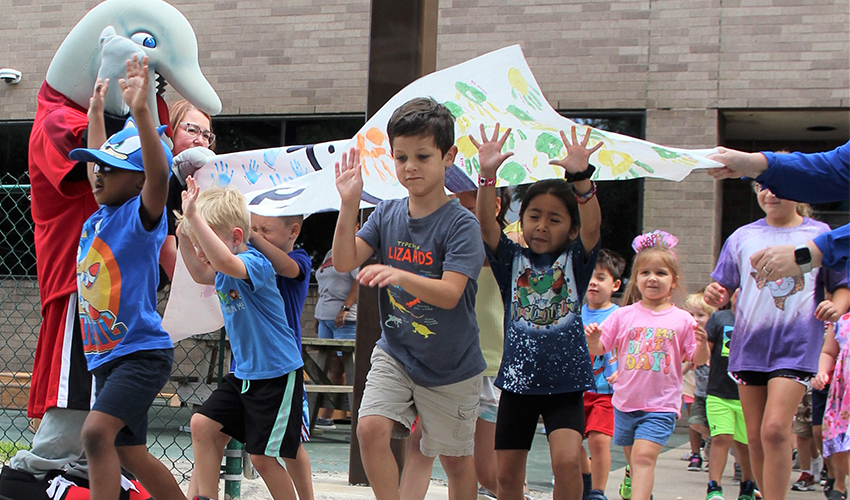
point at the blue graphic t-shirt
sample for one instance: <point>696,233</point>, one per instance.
<point>117,276</point>
<point>606,365</point>
<point>436,346</point>
<point>545,347</point>
<point>294,290</point>
<point>263,344</point>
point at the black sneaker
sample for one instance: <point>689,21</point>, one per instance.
<point>695,464</point>
<point>836,495</point>
<point>714,491</point>
<point>828,486</point>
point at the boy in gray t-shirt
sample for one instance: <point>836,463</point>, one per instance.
<point>428,361</point>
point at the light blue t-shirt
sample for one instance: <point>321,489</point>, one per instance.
<point>263,344</point>
<point>117,276</point>
<point>436,346</point>
<point>606,365</point>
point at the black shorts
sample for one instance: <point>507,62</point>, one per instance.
<point>819,404</point>
<point>126,387</point>
<point>263,414</point>
<point>519,413</point>
<point>762,378</point>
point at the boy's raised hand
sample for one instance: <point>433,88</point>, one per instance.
<point>134,88</point>
<point>349,177</point>
<point>490,155</point>
<point>577,153</point>
<point>96,102</point>
<point>190,196</point>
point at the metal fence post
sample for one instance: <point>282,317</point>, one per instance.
<point>233,470</point>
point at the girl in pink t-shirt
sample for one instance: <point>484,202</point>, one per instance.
<point>652,337</point>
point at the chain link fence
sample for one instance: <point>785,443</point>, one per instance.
<point>197,360</point>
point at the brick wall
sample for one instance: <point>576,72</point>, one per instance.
<point>680,60</point>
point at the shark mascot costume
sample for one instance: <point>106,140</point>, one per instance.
<point>97,47</point>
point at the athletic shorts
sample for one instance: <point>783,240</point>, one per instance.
<point>802,425</point>
<point>263,414</point>
<point>819,405</point>
<point>447,413</point>
<point>697,413</point>
<point>519,413</point>
<point>488,403</point>
<point>649,426</point>
<point>126,387</point>
<point>761,378</point>
<point>598,413</point>
<point>726,417</point>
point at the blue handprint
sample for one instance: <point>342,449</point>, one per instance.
<point>223,174</point>
<point>270,156</point>
<point>252,171</point>
<point>275,179</point>
<point>297,168</point>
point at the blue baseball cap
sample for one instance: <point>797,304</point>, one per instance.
<point>122,150</point>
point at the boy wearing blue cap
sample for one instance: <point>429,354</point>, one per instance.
<point>126,348</point>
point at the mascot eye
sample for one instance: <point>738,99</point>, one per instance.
<point>144,39</point>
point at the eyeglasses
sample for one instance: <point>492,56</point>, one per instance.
<point>102,168</point>
<point>193,130</point>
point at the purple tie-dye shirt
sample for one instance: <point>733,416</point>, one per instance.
<point>775,327</point>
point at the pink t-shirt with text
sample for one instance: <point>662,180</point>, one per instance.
<point>650,347</point>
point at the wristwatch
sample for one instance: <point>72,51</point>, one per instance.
<point>344,308</point>
<point>803,258</point>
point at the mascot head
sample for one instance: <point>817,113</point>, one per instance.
<point>113,32</point>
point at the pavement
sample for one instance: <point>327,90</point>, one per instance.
<point>329,457</point>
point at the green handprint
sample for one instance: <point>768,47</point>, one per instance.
<point>666,153</point>
<point>455,108</point>
<point>470,92</point>
<point>549,144</point>
<point>512,172</point>
<point>522,115</point>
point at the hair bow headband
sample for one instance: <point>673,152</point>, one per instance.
<point>654,238</point>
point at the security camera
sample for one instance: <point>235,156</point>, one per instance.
<point>10,76</point>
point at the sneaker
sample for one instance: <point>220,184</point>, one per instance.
<point>795,464</point>
<point>748,491</point>
<point>686,457</point>
<point>805,483</point>
<point>325,424</point>
<point>828,485</point>
<point>714,491</point>
<point>626,486</point>
<point>836,495</point>
<point>596,495</point>
<point>199,497</point>
<point>736,477</point>
<point>695,465</point>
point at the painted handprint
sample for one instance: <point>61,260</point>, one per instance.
<point>674,156</point>
<point>223,174</point>
<point>460,115</point>
<point>476,99</point>
<point>275,178</point>
<point>252,171</point>
<point>522,91</point>
<point>374,147</point>
<point>297,168</point>
<point>270,156</point>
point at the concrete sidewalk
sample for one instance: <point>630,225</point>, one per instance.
<point>672,482</point>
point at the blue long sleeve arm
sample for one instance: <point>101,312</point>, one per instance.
<point>835,246</point>
<point>809,177</point>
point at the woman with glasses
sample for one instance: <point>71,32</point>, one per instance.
<point>192,128</point>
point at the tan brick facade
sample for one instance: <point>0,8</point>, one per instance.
<point>680,60</point>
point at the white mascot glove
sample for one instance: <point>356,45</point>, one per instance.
<point>190,160</point>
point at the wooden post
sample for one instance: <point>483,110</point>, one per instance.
<point>402,47</point>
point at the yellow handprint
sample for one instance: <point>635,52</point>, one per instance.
<point>521,90</point>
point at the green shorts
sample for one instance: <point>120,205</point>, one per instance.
<point>726,417</point>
